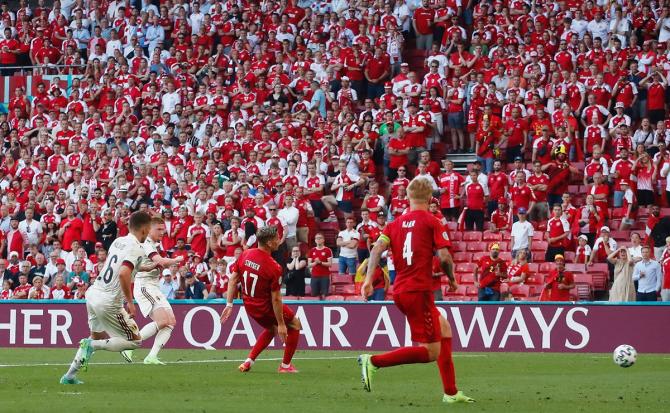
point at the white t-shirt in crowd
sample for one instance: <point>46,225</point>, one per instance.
<point>521,231</point>
<point>347,235</point>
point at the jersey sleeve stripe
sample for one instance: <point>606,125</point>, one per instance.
<point>128,264</point>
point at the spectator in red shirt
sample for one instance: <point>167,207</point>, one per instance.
<point>475,200</point>
<point>559,282</point>
<point>422,21</point>
<point>558,231</point>
<point>488,274</point>
<point>319,260</point>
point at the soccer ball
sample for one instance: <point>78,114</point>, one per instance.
<point>625,355</point>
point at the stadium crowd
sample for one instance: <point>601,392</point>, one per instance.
<point>225,116</point>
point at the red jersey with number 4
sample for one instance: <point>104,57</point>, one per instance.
<point>413,238</point>
<point>259,275</point>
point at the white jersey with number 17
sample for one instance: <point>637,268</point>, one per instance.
<point>124,251</point>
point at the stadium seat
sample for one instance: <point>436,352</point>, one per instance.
<point>460,290</point>
<point>584,291</point>
<point>620,235</point>
<point>354,298</point>
<point>466,278</point>
<point>348,289</point>
<point>569,256</point>
<point>598,267</point>
<point>533,267</point>
<point>584,278</point>
<point>465,267</point>
<point>472,236</point>
<point>462,257</point>
<point>539,246</point>
<point>456,236</point>
<point>506,256</point>
<point>476,246</point>
<point>545,267</point>
<point>538,256</point>
<point>472,290</point>
<point>575,268</point>
<point>519,290</point>
<point>506,236</point>
<point>478,255</point>
<point>335,298</point>
<point>452,226</point>
<point>340,279</point>
<point>491,236</point>
<point>538,236</point>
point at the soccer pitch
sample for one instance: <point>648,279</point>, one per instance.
<point>208,381</point>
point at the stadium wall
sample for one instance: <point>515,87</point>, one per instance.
<point>509,327</point>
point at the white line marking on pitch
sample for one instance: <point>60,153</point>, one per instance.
<point>114,363</point>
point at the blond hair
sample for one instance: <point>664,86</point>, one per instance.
<point>420,189</point>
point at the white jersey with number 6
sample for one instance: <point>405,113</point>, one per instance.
<point>124,251</point>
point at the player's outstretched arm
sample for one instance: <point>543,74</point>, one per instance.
<point>166,262</point>
<point>231,293</point>
<point>373,262</point>
<point>278,308</point>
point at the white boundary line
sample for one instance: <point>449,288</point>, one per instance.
<point>121,363</point>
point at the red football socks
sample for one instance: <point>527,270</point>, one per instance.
<point>446,365</point>
<point>263,341</point>
<point>404,355</point>
<point>291,345</point>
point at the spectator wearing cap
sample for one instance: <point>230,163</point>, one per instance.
<point>603,246</point>
<point>559,282</point>
<point>521,236</point>
<point>489,272</point>
<point>583,250</point>
<point>558,233</point>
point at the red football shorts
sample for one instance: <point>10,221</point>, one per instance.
<point>268,320</point>
<point>422,315</point>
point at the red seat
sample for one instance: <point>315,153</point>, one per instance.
<point>617,213</point>
<point>584,292</point>
<point>354,298</point>
<point>472,290</point>
<point>465,267</point>
<point>519,290</point>
<point>335,298</point>
<point>538,236</point>
<point>506,236</point>
<point>600,280</point>
<point>539,246</point>
<point>506,256</point>
<point>348,289</point>
<point>575,268</point>
<point>533,267</point>
<point>472,236</point>
<point>620,235</point>
<point>460,290</point>
<point>491,236</point>
<point>456,236</point>
<point>478,255</point>
<point>466,278</point>
<point>504,246</point>
<point>569,256</point>
<point>475,246</point>
<point>535,279</point>
<point>462,257</point>
<point>599,267</point>
<point>340,279</point>
<point>584,278</point>
<point>538,256</point>
<point>452,226</point>
<point>545,267</point>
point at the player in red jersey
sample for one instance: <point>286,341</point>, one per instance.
<point>412,238</point>
<point>261,280</point>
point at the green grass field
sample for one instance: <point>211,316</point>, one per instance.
<point>208,381</point>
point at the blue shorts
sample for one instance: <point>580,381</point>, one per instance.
<point>455,120</point>
<point>346,265</point>
<point>345,206</point>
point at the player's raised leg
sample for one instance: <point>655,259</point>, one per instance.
<point>262,342</point>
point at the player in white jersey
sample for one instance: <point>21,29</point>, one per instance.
<point>112,327</point>
<point>149,297</point>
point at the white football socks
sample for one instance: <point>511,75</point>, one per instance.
<point>161,338</point>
